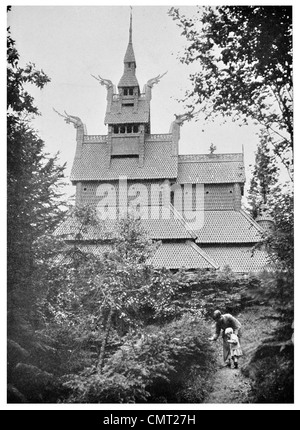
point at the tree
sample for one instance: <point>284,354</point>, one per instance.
<point>109,316</point>
<point>95,294</point>
<point>33,178</point>
<point>264,178</point>
<point>244,55</point>
<point>280,242</point>
<point>34,206</point>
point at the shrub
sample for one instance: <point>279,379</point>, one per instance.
<point>274,380</point>
<point>154,365</point>
<point>193,360</point>
<point>271,362</point>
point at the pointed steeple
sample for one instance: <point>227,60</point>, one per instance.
<point>129,56</point>
<point>129,79</point>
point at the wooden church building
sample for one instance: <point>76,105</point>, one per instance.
<point>190,203</point>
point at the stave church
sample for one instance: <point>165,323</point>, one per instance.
<point>190,204</point>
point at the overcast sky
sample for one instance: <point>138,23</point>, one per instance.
<point>72,42</point>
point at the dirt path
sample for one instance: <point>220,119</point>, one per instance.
<point>229,385</point>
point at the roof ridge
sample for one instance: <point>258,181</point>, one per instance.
<point>251,220</point>
<point>207,158</point>
<point>182,221</point>
<point>204,254</point>
<point>215,155</point>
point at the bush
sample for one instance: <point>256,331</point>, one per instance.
<point>270,363</point>
<point>155,365</point>
<point>274,380</point>
<point>193,359</point>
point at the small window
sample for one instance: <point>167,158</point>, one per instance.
<point>206,192</point>
<point>135,128</point>
<point>125,91</point>
<point>116,129</point>
<point>84,189</point>
<point>129,65</point>
<point>122,129</point>
<point>230,191</point>
<point>129,129</point>
<point>131,91</point>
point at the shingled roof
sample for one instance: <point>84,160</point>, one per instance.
<point>168,255</point>
<point>129,54</point>
<point>127,114</point>
<point>172,228</point>
<point>128,79</point>
<point>239,258</point>
<point>228,227</point>
<point>211,168</point>
<point>158,163</point>
<point>181,255</point>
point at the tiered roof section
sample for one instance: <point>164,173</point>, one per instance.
<point>167,255</point>
<point>240,259</point>
<point>128,114</point>
<point>159,162</point>
<point>173,228</point>
<point>228,227</point>
<point>182,255</point>
<point>211,168</point>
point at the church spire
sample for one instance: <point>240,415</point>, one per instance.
<point>129,79</point>
<point>130,27</point>
<point>129,55</point>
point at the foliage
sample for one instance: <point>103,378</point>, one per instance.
<point>125,375</point>
<point>33,178</point>
<point>95,308</point>
<point>151,365</point>
<point>91,299</point>
<point>275,380</point>
<point>280,241</point>
<point>193,358</point>
<point>201,293</point>
<point>118,330</point>
<point>276,289</point>
<point>244,54</point>
<point>271,362</point>
<point>264,178</point>
<point>34,206</point>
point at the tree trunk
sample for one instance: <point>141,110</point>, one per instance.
<point>104,341</point>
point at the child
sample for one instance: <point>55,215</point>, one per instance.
<point>234,344</point>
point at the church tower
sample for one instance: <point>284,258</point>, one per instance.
<point>127,113</point>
